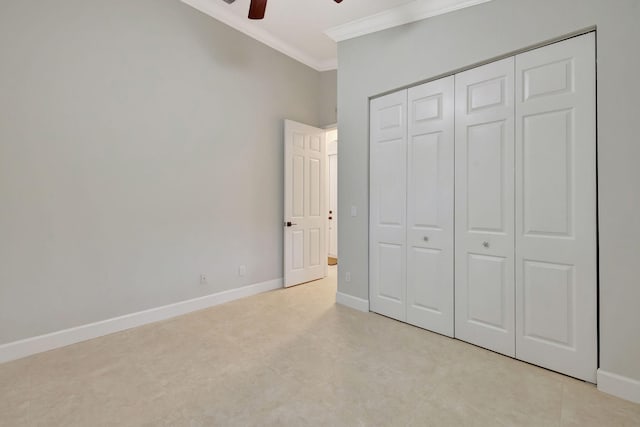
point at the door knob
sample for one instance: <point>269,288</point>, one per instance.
<point>425,238</point>
<point>289,223</point>
<point>485,244</point>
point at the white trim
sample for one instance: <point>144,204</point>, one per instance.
<point>220,11</point>
<point>352,302</point>
<point>328,65</point>
<point>27,347</point>
<point>410,12</point>
<point>404,14</point>
<point>619,386</point>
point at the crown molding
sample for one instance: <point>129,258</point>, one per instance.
<point>221,12</point>
<point>410,12</point>
<point>328,65</point>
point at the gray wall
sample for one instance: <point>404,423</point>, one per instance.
<point>328,97</point>
<point>140,146</point>
<point>401,56</point>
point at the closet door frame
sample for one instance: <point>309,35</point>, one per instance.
<point>592,32</point>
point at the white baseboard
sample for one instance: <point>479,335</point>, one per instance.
<point>619,386</point>
<point>352,302</point>
<point>27,347</point>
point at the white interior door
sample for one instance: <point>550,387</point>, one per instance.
<point>484,237</point>
<point>388,189</point>
<point>305,253</point>
<point>430,182</point>
<point>332,153</point>
<point>556,236</point>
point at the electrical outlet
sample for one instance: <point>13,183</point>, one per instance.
<point>347,276</point>
<point>242,270</point>
<point>203,279</point>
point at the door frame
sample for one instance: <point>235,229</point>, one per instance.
<point>547,42</point>
<point>330,128</point>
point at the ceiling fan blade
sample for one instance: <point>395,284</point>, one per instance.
<point>257,9</point>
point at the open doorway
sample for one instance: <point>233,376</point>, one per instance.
<point>332,195</point>
<point>310,202</point>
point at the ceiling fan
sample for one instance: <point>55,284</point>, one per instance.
<point>258,7</point>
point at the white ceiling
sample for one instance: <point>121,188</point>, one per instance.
<point>297,27</point>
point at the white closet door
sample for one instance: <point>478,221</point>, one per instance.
<point>430,182</point>
<point>484,290</point>
<point>388,187</point>
<point>556,258</point>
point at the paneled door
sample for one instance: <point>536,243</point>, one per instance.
<point>305,222</point>
<point>556,236</point>
<point>484,218</point>
<point>388,191</point>
<point>430,182</point>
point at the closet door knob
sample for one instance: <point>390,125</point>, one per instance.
<point>425,238</point>
<point>485,244</point>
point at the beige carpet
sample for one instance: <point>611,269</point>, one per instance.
<point>292,358</point>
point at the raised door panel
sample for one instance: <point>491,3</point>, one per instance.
<point>390,272</point>
<point>430,189</point>
<point>486,283</point>
<point>387,222</point>
<point>548,79</point>
<point>484,214</point>
<point>424,279</point>
<point>298,186</point>
<point>297,245</point>
<point>388,158</point>
<point>549,303</point>
<point>486,94</point>
<point>315,188</point>
<point>485,170</point>
<point>556,230</point>
<point>425,170</point>
<point>547,178</point>
<point>315,246</point>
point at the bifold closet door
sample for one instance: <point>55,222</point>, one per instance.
<point>556,236</point>
<point>430,181</point>
<point>484,219</point>
<point>388,190</point>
